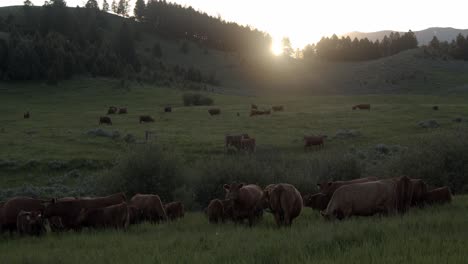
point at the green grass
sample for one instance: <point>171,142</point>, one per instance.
<point>430,235</point>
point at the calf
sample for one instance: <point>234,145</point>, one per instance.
<point>150,206</point>
<point>123,111</point>
<point>105,120</point>
<point>310,141</point>
<point>174,210</point>
<point>214,111</point>
<point>30,223</point>
<point>215,211</point>
<point>112,110</point>
<point>114,216</point>
<point>146,119</point>
<point>362,107</point>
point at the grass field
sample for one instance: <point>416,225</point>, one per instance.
<point>432,235</point>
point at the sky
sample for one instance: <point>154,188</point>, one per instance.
<point>306,21</point>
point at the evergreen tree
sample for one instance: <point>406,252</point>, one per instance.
<point>92,4</point>
<point>139,9</point>
<point>114,7</point>
<point>28,3</point>
<point>105,6</point>
<point>435,43</point>
<point>122,8</point>
<point>288,51</point>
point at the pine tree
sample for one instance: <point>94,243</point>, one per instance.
<point>288,51</point>
<point>28,3</point>
<point>139,9</point>
<point>105,6</point>
<point>114,7</point>
<point>92,4</point>
<point>122,8</point>
<point>435,43</point>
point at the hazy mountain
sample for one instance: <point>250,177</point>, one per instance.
<point>423,36</point>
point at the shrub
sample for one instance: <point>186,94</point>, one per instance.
<point>196,99</point>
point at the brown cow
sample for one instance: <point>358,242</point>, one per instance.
<point>55,223</point>
<point>112,110</point>
<point>234,140</point>
<point>404,193</point>
<point>134,215</point>
<point>146,119</point>
<point>285,202</point>
<point>310,141</point>
<point>150,206</point>
<point>419,192</point>
<point>26,115</point>
<point>318,201</point>
<point>167,109</point>
<point>105,120</point>
<point>254,107</point>
<point>246,201</point>
<point>174,210</point>
<point>14,206</point>
<point>362,107</point>
<point>278,108</point>
<point>214,111</point>
<point>328,188</point>
<point>30,223</point>
<point>363,199</point>
<point>248,144</point>
<point>438,196</point>
<point>69,210</point>
<point>123,110</point>
<point>114,216</point>
<point>215,211</point>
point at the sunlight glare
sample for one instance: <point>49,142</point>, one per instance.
<point>276,47</point>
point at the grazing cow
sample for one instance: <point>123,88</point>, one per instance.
<point>278,108</point>
<point>438,196</point>
<point>363,199</point>
<point>318,201</point>
<point>105,120</point>
<point>113,216</point>
<point>30,223</point>
<point>362,107</point>
<point>419,192</point>
<point>55,222</point>
<point>310,141</point>
<point>284,201</point>
<point>112,110</point>
<point>435,108</point>
<point>328,188</point>
<point>253,107</point>
<point>214,111</point>
<point>146,119</point>
<point>70,209</point>
<point>248,144</point>
<point>167,109</point>
<point>174,210</point>
<point>12,207</point>
<point>150,206</point>
<point>134,215</point>
<point>215,211</point>
<point>123,111</point>
<point>234,140</point>
<point>27,115</point>
<point>246,201</point>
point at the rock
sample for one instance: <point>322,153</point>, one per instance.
<point>429,124</point>
<point>129,138</point>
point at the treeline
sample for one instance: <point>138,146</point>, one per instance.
<point>345,49</point>
<point>457,48</point>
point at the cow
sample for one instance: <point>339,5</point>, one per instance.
<point>146,119</point>
<point>253,107</point>
<point>214,111</point>
<point>55,222</point>
<point>329,187</point>
<point>167,109</point>
<point>174,210</point>
<point>284,201</point>
<point>12,207</point>
<point>248,144</point>
<point>69,210</point>
<point>112,110</point>
<point>438,196</point>
<point>134,215</point>
<point>105,120</point>
<point>255,112</point>
<point>278,108</point>
<point>113,216</point>
<point>30,223</point>
<point>419,192</point>
<point>318,201</point>
<point>215,211</point>
<point>26,115</point>
<point>362,107</point>
<point>404,192</point>
<point>363,199</point>
<point>234,140</point>
<point>246,201</point>
<point>123,110</point>
<point>150,206</point>
<point>310,141</point>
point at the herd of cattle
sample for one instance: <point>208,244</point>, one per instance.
<point>336,200</point>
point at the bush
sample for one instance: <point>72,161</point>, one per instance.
<point>196,99</point>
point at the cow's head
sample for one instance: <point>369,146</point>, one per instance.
<point>232,191</point>
<point>316,201</point>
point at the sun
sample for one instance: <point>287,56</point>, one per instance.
<point>276,47</point>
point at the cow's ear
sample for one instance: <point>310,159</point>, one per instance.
<point>226,187</point>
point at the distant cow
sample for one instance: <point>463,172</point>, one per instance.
<point>30,223</point>
<point>284,201</point>
<point>27,115</point>
<point>215,211</point>
<point>435,108</point>
<point>419,192</point>
<point>318,201</point>
<point>150,206</point>
<point>362,107</point>
<point>112,110</point>
<point>234,140</point>
<point>214,111</point>
<point>310,141</point>
<point>146,119</point>
<point>113,216</point>
<point>438,196</point>
<point>248,144</point>
<point>246,201</point>
<point>12,207</point>
<point>123,111</point>
<point>167,109</point>
<point>278,108</point>
<point>174,210</point>
<point>254,107</point>
<point>105,120</point>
